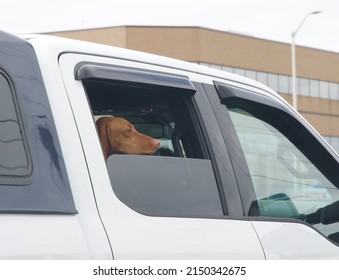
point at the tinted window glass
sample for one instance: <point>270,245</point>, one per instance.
<point>162,186</point>
<point>33,174</point>
<point>13,159</point>
<point>287,183</point>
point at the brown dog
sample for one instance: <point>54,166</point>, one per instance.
<point>118,136</point>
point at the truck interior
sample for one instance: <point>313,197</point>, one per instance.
<point>160,112</point>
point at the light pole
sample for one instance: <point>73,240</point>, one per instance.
<point>293,55</point>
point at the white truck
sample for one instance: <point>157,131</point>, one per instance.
<point>239,173</point>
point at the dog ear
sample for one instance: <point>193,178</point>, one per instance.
<point>109,137</point>
<point>103,125</point>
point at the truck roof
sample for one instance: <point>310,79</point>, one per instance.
<point>59,45</point>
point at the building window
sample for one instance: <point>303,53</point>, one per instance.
<point>284,84</point>
<point>333,88</point>
<point>240,72</point>
<point>251,74</point>
<point>324,89</point>
<point>304,87</point>
<point>262,78</point>
<point>314,88</point>
<point>227,69</point>
<point>273,82</point>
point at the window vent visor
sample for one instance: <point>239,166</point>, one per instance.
<point>106,72</point>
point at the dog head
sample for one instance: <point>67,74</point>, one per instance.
<point>118,136</point>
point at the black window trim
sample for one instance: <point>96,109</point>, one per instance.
<point>208,149</point>
<point>90,70</point>
<point>227,161</point>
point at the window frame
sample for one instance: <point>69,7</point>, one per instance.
<point>127,75</point>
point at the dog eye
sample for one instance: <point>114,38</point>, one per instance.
<point>129,131</point>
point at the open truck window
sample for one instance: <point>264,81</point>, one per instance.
<point>178,180</point>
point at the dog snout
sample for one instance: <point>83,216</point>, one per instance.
<point>156,143</point>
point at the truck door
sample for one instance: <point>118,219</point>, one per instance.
<point>171,205</point>
<point>288,174</point>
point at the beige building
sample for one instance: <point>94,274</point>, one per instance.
<point>266,61</point>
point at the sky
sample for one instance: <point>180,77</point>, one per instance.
<point>266,19</point>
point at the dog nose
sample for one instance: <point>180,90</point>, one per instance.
<point>156,142</point>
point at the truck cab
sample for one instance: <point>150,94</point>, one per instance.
<point>239,174</point>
